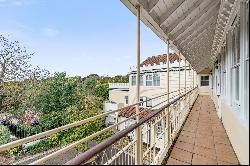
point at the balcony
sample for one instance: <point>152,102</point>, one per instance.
<point>183,127</point>
<point>121,86</point>
<point>187,128</point>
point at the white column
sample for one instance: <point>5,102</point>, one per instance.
<point>168,110</point>
<point>138,146</point>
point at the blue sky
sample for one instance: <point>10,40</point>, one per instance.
<point>79,37</point>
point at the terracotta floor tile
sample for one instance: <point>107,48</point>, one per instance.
<point>219,134</point>
<point>223,148</point>
<point>199,160</point>
<point>181,155</point>
<point>224,163</point>
<point>222,140</point>
<point>203,139</point>
<point>172,161</point>
<point>205,152</point>
<point>189,129</point>
<point>185,146</point>
<point>189,140</point>
<point>199,136</point>
<point>205,143</point>
<point>227,157</point>
<point>204,132</point>
<point>188,134</point>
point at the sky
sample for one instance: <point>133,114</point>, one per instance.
<point>79,37</point>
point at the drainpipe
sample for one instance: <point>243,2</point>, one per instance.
<point>138,145</point>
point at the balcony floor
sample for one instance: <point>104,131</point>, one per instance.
<point>203,140</point>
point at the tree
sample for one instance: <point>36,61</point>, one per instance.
<point>89,84</point>
<point>14,60</point>
<point>102,91</point>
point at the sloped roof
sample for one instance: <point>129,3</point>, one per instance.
<point>130,111</point>
<point>160,59</point>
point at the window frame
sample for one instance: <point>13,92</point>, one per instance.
<point>126,99</point>
<point>141,100</point>
<point>149,80</point>
<point>149,100</point>
<point>204,80</point>
<point>133,80</point>
<point>156,82</point>
<point>235,65</point>
<point>141,80</point>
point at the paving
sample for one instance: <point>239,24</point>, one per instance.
<point>203,139</point>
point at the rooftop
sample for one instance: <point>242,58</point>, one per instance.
<point>160,59</point>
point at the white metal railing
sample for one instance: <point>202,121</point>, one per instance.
<point>118,85</point>
<point>65,149</point>
<point>159,129</point>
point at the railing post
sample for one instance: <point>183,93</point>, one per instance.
<point>168,110</point>
<point>185,82</point>
<point>189,86</point>
<point>179,74</point>
<point>179,89</point>
<point>185,76</point>
<point>193,77</point>
<point>138,146</point>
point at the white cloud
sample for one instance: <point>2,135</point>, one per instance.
<point>50,32</point>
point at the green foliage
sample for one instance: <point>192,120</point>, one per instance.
<point>60,100</point>
<point>4,135</point>
<point>89,83</point>
<point>43,145</point>
<point>102,91</point>
<point>14,95</point>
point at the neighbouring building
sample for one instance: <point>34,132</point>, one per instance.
<point>153,83</point>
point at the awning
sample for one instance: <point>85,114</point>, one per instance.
<point>196,28</point>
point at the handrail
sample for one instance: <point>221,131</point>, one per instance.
<point>67,148</point>
<point>82,158</point>
<point>68,126</point>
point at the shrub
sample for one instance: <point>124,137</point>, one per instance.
<point>4,135</point>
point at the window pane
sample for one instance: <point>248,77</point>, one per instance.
<point>149,102</point>
<point>247,90</point>
<point>141,100</point>
<point>156,80</point>
<point>233,48</point>
<point>133,82</point>
<point>126,99</point>
<point>237,83</point>
<point>149,80</point>
<point>141,80</point>
<point>237,44</point>
<point>204,83</point>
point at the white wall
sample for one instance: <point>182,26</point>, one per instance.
<point>235,115</point>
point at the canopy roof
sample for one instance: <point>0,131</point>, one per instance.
<point>196,28</point>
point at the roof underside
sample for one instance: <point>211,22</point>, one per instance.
<point>196,28</point>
